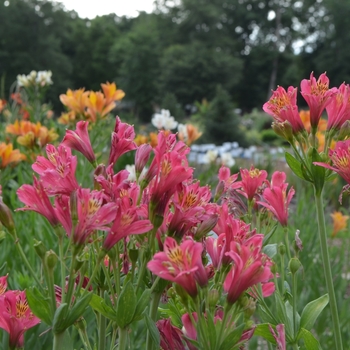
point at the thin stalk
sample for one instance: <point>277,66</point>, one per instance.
<point>327,269</point>
<point>63,270</point>
<point>123,338</point>
<point>94,273</point>
<point>153,314</point>
<point>282,274</point>
<point>286,237</point>
<point>85,339</point>
<point>294,304</point>
<point>224,320</point>
<point>29,267</point>
<point>114,337</point>
<point>102,329</point>
<point>116,272</point>
<point>71,281</point>
<point>109,282</point>
<point>202,338</point>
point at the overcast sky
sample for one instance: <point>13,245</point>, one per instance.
<point>91,9</point>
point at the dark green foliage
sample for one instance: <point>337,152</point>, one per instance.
<point>221,123</point>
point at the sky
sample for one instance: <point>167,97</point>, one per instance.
<point>91,9</point>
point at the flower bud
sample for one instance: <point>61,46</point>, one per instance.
<point>6,217</point>
<point>141,158</point>
<point>344,131</point>
<point>298,244</point>
<point>81,324</point>
<point>40,249</point>
<point>171,293</point>
<point>294,265</point>
<point>284,130</point>
<point>219,190</point>
<point>249,309</point>
<point>206,226</point>
<point>51,259</point>
<point>73,206</point>
<point>281,249</point>
<point>213,297</point>
<point>273,268</point>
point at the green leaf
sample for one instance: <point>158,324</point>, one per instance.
<point>263,330</point>
<point>100,306</point>
<point>142,304</point>
<point>312,310</point>
<point>126,305</point>
<point>269,234</point>
<point>270,250</point>
<point>232,338</point>
<point>78,309</point>
<point>39,305</point>
<point>289,312</point>
<point>59,318</point>
<point>153,331</point>
<point>211,331</point>
<point>310,342</point>
<point>318,172</point>
<point>294,165</point>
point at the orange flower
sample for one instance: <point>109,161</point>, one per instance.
<point>30,134</point>
<point>190,134</point>
<point>67,118</point>
<point>75,100</point>
<point>8,155</point>
<point>2,104</point>
<point>140,139</point>
<point>339,222</point>
<point>111,93</point>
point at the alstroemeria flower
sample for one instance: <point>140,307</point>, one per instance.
<point>36,199</point>
<point>339,222</point>
<point>91,211</point>
<point>16,317</point>
<point>122,140</point>
<point>80,141</point>
<point>276,198</point>
<point>170,336</point>
<point>282,107</point>
<point>250,267</point>
<point>317,95</point>
<point>57,173</point>
<point>251,180</point>
<point>181,264</point>
<point>340,158</point>
<point>279,336</point>
<point>3,284</point>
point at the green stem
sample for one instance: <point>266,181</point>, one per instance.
<point>123,338</point>
<point>63,270</point>
<point>153,315</point>
<point>114,337</point>
<point>295,304</point>
<point>60,340</point>
<point>327,269</point>
<point>70,281</point>
<point>282,275</point>
<point>94,273</point>
<point>85,339</point>
<point>223,324</point>
<point>102,328</point>
<point>29,267</point>
<point>286,237</point>
<point>295,346</point>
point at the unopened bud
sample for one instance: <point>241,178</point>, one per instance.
<point>51,259</point>
<point>141,158</point>
<point>40,249</point>
<point>6,217</point>
<point>282,249</point>
<point>73,206</point>
<point>249,310</point>
<point>213,297</point>
<point>294,265</point>
<point>206,226</point>
<point>298,244</point>
<point>344,131</point>
<point>284,130</point>
<point>81,324</point>
<point>219,190</point>
<point>273,268</point>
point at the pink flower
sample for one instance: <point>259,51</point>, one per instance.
<point>340,158</point>
<point>57,173</point>
<point>91,213</point>
<point>189,329</point>
<point>170,336</point>
<point>277,199</point>
<point>279,336</point>
<point>251,180</point>
<point>36,199</point>
<point>180,264</point>
<point>282,107</point>
<point>16,317</point>
<point>142,155</point>
<point>250,267</point>
<point>317,95</point>
<point>3,284</point>
<point>128,221</point>
<point>338,109</point>
<point>122,140</point>
<point>80,141</point>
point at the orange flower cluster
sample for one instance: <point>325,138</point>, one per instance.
<point>89,105</point>
<point>321,129</point>
<point>9,156</point>
<point>152,138</point>
<point>30,134</point>
<point>189,134</point>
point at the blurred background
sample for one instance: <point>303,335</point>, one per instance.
<point>207,61</point>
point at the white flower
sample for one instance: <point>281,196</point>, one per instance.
<point>182,129</point>
<point>163,120</point>
<point>227,160</point>
<point>44,77</point>
<point>211,156</point>
<point>22,80</point>
<point>132,172</point>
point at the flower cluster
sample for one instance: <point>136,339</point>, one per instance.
<point>41,78</point>
<point>89,105</point>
